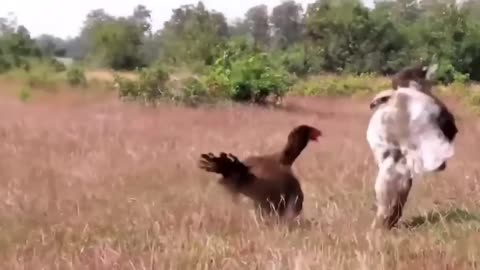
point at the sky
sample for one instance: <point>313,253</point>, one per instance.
<point>64,19</point>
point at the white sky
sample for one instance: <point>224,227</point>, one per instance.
<point>64,18</point>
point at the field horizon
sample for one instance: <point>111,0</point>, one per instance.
<point>103,184</point>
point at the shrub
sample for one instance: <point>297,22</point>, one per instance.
<point>56,65</point>
<point>346,85</point>
<point>5,65</point>
<point>36,72</point>
<point>25,94</point>
<point>190,91</point>
<point>11,61</point>
<point>41,74</point>
<point>249,78</point>
<point>295,61</point>
<point>76,76</point>
<point>447,73</point>
<point>150,85</point>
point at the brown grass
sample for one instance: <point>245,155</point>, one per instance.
<point>107,185</point>
<point>108,75</point>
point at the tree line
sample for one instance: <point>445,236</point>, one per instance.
<point>329,36</point>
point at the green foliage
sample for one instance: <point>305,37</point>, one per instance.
<point>16,47</point>
<point>287,23</point>
<point>460,78</point>
<point>191,35</point>
<point>25,94</point>
<point>341,85</point>
<point>447,73</point>
<point>350,39</point>
<point>249,77</point>
<point>295,60</point>
<point>41,73</point>
<point>260,55</point>
<point>57,65</point>
<point>190,91</point>
<point>116,44</point>
<point>76,76</point>
<point>40,77</point>
<point>258,23</point>
<point>149,87</point>
<point>5,64</point>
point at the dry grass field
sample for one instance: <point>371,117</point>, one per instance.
<point>108,75</point>
<point>105,185</point>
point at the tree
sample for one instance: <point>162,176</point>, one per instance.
<point>349,39</point>
<point>192,34</point>
<point>116,41</point>
<point>94,18</point>
<point>16,45</point>
<point>51,46</point>
<point>117,44</point>
<point>287,22</point>
<point>258,23</point>
<point>239,27</point>
<point>142,17</point>
<point>406,11</point>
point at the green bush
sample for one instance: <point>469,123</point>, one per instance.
<point>149,87</point>
<point>10,62</point>
<point>56,65</point>
<point>76,76</point>
<point>5,65</point>
<point>36,72</point>
<point>346,85</point>
<point>295,61</point>
<point>41,74</point>
<point>249,78</point>
<point>25,94</point>
<point>190,91</point>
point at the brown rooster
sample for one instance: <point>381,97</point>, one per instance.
<point>267,180</point>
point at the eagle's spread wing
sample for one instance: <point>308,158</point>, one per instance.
<point>413,122</point>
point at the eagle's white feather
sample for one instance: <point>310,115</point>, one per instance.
<point>408,121</point>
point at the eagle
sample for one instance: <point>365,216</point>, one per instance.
<point>410,133</point>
